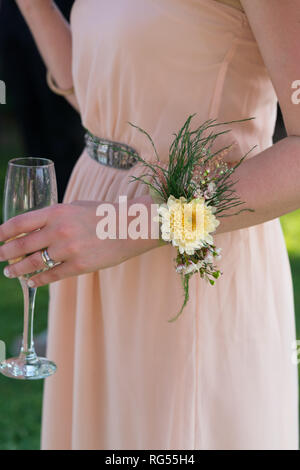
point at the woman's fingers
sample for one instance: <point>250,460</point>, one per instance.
<point>57,273</point>
<point>30,221</point>
<point>24,223</point>
<point>30,264</point>
<point>67,231</point>
<point>24,245</point>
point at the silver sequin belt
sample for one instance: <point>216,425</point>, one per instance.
<point>110,153</point>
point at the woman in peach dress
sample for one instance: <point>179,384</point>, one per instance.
<point>221,376</point>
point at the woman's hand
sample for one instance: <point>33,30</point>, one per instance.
<point>68,231</point>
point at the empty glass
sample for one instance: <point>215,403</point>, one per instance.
<point>30,184</point>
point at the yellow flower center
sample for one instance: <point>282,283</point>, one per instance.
<point>189,223</point>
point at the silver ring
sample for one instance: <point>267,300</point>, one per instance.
<point>47,260</point>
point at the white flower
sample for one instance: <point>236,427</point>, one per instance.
<point>193,267</point>
<point>210,191</point>
<point>198,193</point>
<point>211,187</point>
<point>187,225</point>
<point>209,258</point>
<point>180,268</point>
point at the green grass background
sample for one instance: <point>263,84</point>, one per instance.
<point>20,402</point>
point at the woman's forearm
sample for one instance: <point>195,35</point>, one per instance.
<point>268,183</point>
<point>53,38</point>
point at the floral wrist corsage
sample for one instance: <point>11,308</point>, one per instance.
<point>193,190</point>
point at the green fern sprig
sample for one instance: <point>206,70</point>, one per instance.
<point>189,150</point>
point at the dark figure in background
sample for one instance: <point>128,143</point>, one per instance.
<point>51,127</point>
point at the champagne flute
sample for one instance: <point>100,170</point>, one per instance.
<point>30,184</point>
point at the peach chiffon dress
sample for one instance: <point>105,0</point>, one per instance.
<point>221,377</point>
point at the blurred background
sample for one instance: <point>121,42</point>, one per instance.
<point>36,122</point>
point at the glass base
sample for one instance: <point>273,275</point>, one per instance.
<point>23,369</point>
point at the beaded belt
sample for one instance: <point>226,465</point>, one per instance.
<point>110,153</point>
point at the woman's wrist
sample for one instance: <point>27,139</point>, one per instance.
<point>149,229</point>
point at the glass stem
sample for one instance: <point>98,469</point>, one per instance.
<point>27,348</point>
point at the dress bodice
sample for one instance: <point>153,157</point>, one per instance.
<point>154,62</point>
